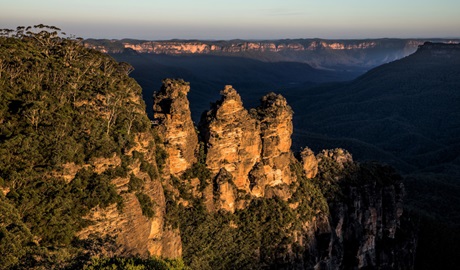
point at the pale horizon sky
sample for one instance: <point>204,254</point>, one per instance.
<point>243,19</point>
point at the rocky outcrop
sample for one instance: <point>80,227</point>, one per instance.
<point>134,232</point>
<point>249,156</point>
<point>172,115</point>
<point>338,155</point>
<point>226,191</point>
<point>231,138</point>
<point>255,148</point>
<point>309,162</point>
<point>275,117</point>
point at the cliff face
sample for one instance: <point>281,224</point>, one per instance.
<point>330,54</point>
<point>366,230</point>
<point>172,115</point>
<point>239,46</point>
<point>133,231</point>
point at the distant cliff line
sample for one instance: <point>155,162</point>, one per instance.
<point>176,47</point>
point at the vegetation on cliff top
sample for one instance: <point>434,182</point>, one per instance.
<point>61,104</point>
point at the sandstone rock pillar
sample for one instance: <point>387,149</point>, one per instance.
<point>172,115</point>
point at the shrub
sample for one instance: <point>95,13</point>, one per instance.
<point>146,204</point>
<point>135,183</point>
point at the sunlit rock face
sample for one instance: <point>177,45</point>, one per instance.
<point>309,162</point>
<point>201,47</point>
<point>255,147</point>
<point>132,231</point>
<point>172,114</point>
<point>226,191</point>
<point>231,137</point>
<point>275,117</point>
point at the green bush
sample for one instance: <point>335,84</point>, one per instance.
<point>135,264</point>
<point>15,237</point>
<point>135,183</point>
<point>146,204</point>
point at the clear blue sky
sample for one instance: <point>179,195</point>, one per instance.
<point>246,19</point>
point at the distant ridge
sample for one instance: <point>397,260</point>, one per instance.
<point>320,53</point>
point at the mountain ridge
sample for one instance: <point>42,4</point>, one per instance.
<point>316,52</point>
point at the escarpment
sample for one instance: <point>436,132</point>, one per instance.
<point>365,229</point>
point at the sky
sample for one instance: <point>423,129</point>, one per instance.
<point>244,19</point>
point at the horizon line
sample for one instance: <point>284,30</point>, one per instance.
<point>274,39</point>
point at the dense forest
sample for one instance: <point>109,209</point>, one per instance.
<point>61,104</point>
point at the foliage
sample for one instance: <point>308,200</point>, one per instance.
<point>14,235</point>
<point>199,169</point>
<point>258,236</point>
<point>160,152</point>
<point>135,264</point>
<point>311,201</point>
<point>135,183</point>
<point>53,209</point>
<point>145,166</point>
<point>61,104</point>
<point>252,238</point>
<point>331,175</point>
<point>160,156</point>
<point>146,204</point>
<point>173,216</point>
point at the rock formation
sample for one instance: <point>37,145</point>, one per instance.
<point>226,191</point>
<point>231,138</point>
<point>255,148</point>
<point>249,154</point>
<point>172,112</point>
<point>275,117</point>
<point>338,155</point>
<point>309,162</point>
